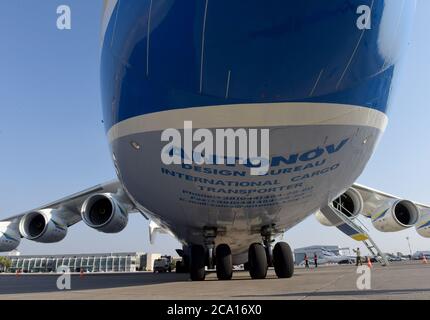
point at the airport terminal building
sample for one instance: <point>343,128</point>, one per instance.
<point>98,262</point>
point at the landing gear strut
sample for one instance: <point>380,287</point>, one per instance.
<point>203,255</point>
<point>210,235</point>
<point>266,234</point>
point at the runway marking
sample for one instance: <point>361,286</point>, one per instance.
<point>323,287</point>
<point>148,38</point>
<point>353,53</point>
<point>115,22</point>
<point>203,46</point>
<point>316,83</point>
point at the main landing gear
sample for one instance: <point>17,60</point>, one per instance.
<point>202,256</point>
<point>261,256</point>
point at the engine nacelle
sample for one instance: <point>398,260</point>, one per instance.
<point>104,213</point>
<point>323,220</point>
<point>349,203</point>
<point>395,216</point>
<point>423,226</point>
<point>43,226</point>
<point>9,239</point>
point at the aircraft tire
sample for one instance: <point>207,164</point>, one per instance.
<point>197,265</point>
<point>224,262</point>
<point>283,260</point>
<point>257,259</point>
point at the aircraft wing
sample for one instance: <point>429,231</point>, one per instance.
<point>53,219</point>
<point>69,208</point>
<point>387,212</point>
<point>372,198</point>
<point>377,205</point>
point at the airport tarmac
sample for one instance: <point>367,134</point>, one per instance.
<point>410,280</point>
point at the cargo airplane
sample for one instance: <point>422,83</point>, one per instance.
<point>318,74</point>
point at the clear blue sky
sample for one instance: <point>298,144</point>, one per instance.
<point>52,141</point>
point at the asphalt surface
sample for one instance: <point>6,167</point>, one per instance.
<point>409,280</point>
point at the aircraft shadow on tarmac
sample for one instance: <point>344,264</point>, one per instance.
<point>12,284</point>
<point>48,283</point>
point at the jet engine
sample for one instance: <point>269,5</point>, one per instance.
<point>43,226</point>
<point>395,216</point>
<point>104,213</point>
<point>350,203</point>
<point>423,226</point>
<point>9,239</point>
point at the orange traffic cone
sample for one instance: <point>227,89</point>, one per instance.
<point>369,263</point>
<point>18,273</point>
<point>424,259</point>
<point>81,275</point>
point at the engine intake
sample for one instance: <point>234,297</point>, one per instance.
<point>43,226</point>
<point>350,203</point>
<point>397,216</point>
<point>104,213</point>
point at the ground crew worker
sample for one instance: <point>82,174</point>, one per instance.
<point>316,260</point>
<point>358,257</point>
<point>306,261</point>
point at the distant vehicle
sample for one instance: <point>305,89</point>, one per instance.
<point>394,258</point>
<point>420,254</point>
<point>346,261</point>
<point>163,264</point>
<point>372,259</point>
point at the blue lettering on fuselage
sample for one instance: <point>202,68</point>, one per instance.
<point>306,156</point>
<point>277,161</point>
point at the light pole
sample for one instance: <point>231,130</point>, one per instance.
<point>409,244</point>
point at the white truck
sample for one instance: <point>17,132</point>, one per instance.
<point>163,264</point>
